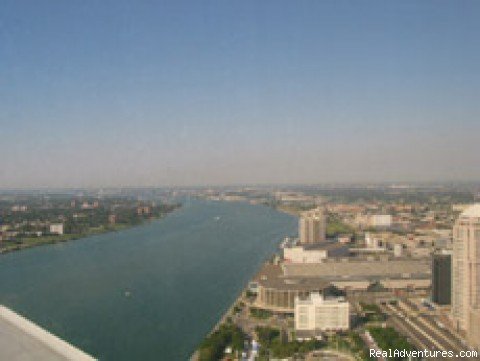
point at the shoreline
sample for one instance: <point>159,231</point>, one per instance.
<point>223,319</point>
<point>75,237</point>
<point>229,312</point>
<point>23,246</point>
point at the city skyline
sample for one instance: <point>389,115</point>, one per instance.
<point>114,94</point>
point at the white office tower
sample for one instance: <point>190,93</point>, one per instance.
<point>312,227</point>
<point>316,314</point>
<point>466,273</point>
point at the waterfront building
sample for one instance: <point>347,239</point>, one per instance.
<point>277,293</point>
<point>277,285</point>
<point>315,314</point>
<point>112,219</point>
<point>300,254</point>
<point>314,253</point>
<point>56,228</point>
<point>312,227</point>
<point>143,210</point>
<point>442,277</point>
<point>466,273</point>
<point>357,274</point>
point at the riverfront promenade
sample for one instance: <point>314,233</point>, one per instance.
<point>22,340</point>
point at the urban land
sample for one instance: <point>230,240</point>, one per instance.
<point>372,268</point>
<point>375,272</point>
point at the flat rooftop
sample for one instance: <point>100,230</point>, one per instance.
<point>22,340</point>
<point>358,268</point>
<point>271,276</point>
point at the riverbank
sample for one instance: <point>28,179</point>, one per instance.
<point>52,239</point>
<point>31,242</point>
<point>223,320</point>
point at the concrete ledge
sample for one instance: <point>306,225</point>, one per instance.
<point>39,336</point>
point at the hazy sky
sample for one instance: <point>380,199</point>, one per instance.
<point>108,93</point>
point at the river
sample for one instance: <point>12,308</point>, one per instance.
<point>147,293</point>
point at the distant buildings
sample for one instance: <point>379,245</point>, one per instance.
<point>442,278</point>
<point>312,227</point>
<point>466,273</point>
<point>112,219</point>
<point>296,198</point>
<point>19,208</point>
<point>315,314</point>
<point>56,228</point>
<point>380,220</point>
<point>143,210</point>
<point>373,220</point>
<point>86,205</point>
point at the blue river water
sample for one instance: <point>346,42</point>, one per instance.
<point>147,293</point>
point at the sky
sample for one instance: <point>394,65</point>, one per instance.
<point>160,93</point>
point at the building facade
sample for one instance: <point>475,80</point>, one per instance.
<point>442,278</point>
<point>466,272</point>
<point>56,228</point>
<point>318,314</point>
<point>312,227</point>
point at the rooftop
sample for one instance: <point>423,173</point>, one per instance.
<point>271,276</point>
<point>316,298</point>
<point>358,269</point>
<point>472,212</point>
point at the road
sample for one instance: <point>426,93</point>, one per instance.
<point>422,329</point>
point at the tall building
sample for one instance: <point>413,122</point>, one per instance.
<point>466,273</point>
<point>312,226</point>
<point>315,314</point>
<point>442,277</point>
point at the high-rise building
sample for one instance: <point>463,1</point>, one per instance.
<point>442,277</point>
<point>466,273</point>
<point>312,227</point>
